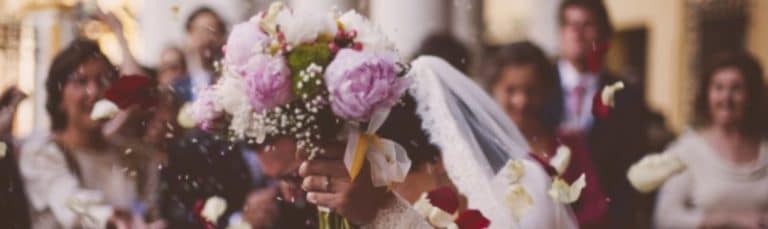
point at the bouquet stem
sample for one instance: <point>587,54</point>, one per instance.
<point>330,220</point>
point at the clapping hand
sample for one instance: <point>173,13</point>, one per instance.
<point>329,185</point>
<point>8,103</point>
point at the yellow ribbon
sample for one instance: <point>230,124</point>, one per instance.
<point>363,143</point>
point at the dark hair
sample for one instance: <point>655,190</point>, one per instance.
<point>63,65</point>
<point>205,10</point>
<point>446,46</point>
<point>598,11</point>
<point>404,126</point>
<point>752,74</point>
<point>526,53</point>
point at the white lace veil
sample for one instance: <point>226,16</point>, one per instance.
<point>476,140</point>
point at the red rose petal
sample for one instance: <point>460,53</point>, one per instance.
<point>472,219</point>
<point>444,198</point>
<point>599,109</point>
<point>131,90</point>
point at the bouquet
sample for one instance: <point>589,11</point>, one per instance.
<point>288,73</point>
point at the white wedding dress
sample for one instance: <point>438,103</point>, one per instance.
<point>476,139</point>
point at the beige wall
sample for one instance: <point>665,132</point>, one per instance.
<point>666,71</point>
<point>757,35</point>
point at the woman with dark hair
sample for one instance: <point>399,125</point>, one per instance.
<point>78,177</point>
<point>521,81</point>
<point>725,184</point>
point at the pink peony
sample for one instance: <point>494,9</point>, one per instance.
<point>361,83</point>
<point>267,82</point>
<point>245,41</point>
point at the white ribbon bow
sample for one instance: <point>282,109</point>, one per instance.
<point>388,160</point>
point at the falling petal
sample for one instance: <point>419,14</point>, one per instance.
<point>564,193</point>
<point>213,209</point>
<point>608,93</point>
<point>562,159</point>
<point>3,150</point>
<point>104,109</point>
<point>514,169</point>
<point>518,200</point>
<point>653,170</point>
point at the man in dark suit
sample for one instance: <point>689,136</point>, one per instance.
<point>614,141</point>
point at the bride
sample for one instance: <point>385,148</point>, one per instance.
<point>446,111</point>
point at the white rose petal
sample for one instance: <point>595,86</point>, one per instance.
<point>653,170</point>
<point>370,35</point>
<point>564,193</point>
<point>305,26</point>
<point>268,24</point>
<point>422,205</point>
<point>185,118</point>
<point>608,93</point>
<point>213,209</point>
<point>3,150</point>
<point>104,109</point>
<point>514,170</point>
<point>518,200</point>
<point>435,216</point>
<point>562,159</point>
<point>439,218</point>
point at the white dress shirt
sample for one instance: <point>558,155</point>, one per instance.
<point>577,118</point>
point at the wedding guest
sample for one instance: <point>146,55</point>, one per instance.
<point>172,67</point>
<point>448,47</point>
<point>198,165</point>
<point>13,204</point>
<point>615,141</point>
<point>725,184</point>
<point>77,177</point>
<point>521,80</point>
<point>205,36</point>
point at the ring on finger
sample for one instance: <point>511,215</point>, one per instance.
<point>327,183</point>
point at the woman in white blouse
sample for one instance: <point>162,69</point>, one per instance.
<point>725,184</point>
<point>76,178</point>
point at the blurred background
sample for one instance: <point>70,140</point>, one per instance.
<point>657,43</point>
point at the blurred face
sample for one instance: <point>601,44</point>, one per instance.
<point>161,123</point>
<point>578,32</point>
<point>171,67</point>
<point>82,89</point>
<point>519,94</point>
<point>205,36</point>
<point>727,97</point>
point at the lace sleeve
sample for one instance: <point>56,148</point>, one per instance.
<point>398,214</point>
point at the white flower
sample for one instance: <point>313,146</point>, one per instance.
<point>104,109</point>
<point>440,218</point>
<point>564,193</point>
<point>3,150</point>
<point>562,159</point>
<point>370,35</point>
<point>230,95</point>
<point>185,118</point>
<point>268,24</point>
<point>305,26</point>
<point>213,209</point>
<point>518,200</point>
<point>653,170</point>
<point>435,216</point>
<point>514,170</point>
<point>608,93</point>
<point>422,205</point>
